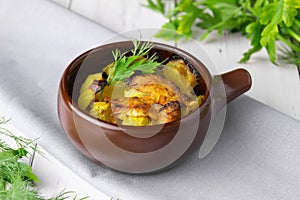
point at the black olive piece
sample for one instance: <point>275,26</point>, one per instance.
<point>194,71</point>
<point>104,75</point>
<point>98,89</point>
<point>176,57</point>
<point>99,85</point>
<point>199,90</point>
<point>191,68</point>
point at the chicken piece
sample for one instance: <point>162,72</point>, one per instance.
<point>156,89</point>
<point>132,106</point>
<point>154,103</point>
<point>136,111</point>
<point>161,114</point>
<point>131,111</point>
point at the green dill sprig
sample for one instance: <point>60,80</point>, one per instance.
<point>64,195</point>
<point>17,180</point>
<point>126,65</point>
<point>24,146</point>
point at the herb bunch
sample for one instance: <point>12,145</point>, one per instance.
<point>17,181</point>
<point>126,65</point>
<point>262,21</point>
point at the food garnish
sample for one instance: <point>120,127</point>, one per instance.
<point>124,66</point>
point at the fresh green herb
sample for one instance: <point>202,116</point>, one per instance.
<point>126,65</point>
<point>262,21</point>
<point>158,6</point>
<point>66,195</point>
<point>17,181</point>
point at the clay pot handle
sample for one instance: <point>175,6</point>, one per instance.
<point>234,83</point>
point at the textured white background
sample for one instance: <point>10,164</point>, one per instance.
<point>278,87</point>
<point>257,156</point>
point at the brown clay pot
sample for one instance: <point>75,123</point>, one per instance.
<point>134,149</point>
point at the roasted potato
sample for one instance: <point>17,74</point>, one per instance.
<point>144,99</point>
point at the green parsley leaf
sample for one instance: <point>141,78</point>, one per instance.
<point>264,22</point>
<point>159,6</point>
<point>188,18</point>
<point>125,66</point>
<point>169,32</point>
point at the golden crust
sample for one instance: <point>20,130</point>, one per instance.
<point>148,98</point>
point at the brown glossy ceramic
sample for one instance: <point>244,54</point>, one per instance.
<point>139,149</point>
